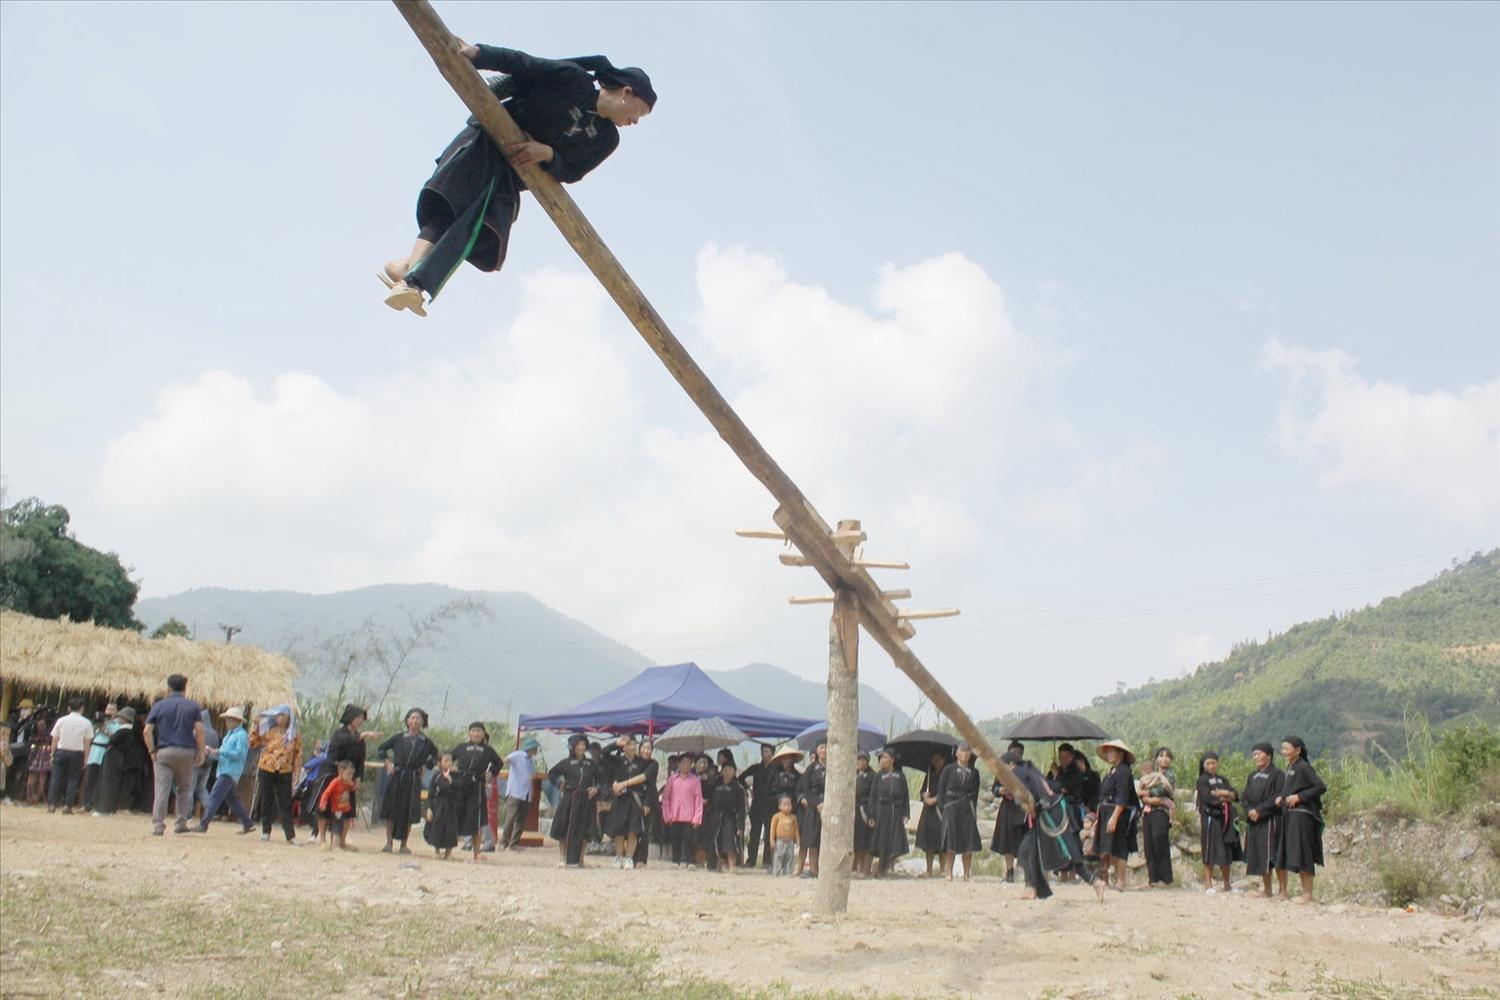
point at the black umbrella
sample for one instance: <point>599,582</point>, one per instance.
<point>1056,726</point>
<point>915,749</point>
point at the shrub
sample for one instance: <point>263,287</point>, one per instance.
<point>1407,880</point>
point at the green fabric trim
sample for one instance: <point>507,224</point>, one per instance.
<point>473,238</point>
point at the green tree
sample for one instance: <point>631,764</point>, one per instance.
<point>46,572</point>
<point>171,627</point>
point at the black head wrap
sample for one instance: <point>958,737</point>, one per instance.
<point>351,712</point>
<point>481,727</point>
<point>1012,758</point>
<point>1296,741</point>
<point>1210,755</point>
<point>418,711</point>
<point>1264,748</point>
<point>1068,747</point>
<point>1018,746</point>
<point>614,77</point>
<point>862,755</point>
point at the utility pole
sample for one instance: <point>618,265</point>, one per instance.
<point>836,848</point>
<point>229,631</point>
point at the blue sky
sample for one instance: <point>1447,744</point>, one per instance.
<point>1139,329</point>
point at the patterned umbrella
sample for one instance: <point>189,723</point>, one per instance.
<point>699,736</point>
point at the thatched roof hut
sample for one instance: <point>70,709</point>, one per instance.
<point>38,654</point>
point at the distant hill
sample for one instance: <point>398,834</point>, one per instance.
<point>772,687</point>
<point>1339,682</point>
<point>514,655</point>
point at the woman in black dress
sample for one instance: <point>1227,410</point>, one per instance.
<point>346,743</point>
<point>863,777</point>
<point>1119,805</point>
<point>1158,793</point>
<point>1300,848</point>
<point>810,793</point>
<point>474,763</point>
<point>1218,837</point>
<point>958,802</point>
<point>577,782</point>
<point>930,820</point>
<point>726,817</point>
<point>572,111</point>
<point>651,831</point>
<point>407,755</point>
<point>1263,819</point>
<point>887,807</point>
<point>1010,819</point>
<point>626,819</point>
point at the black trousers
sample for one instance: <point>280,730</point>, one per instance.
<point>1156,826</point>
<point>452,244</point>
<point>684,840</point>
<point>91,775</point>
<point>67,772</point>
<point>276,798</point>
<point>760,838</point>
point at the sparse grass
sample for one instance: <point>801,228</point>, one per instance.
<point>1408,880</point>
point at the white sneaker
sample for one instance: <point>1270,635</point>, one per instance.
<point>629,864</point>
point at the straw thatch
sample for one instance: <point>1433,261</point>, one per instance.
<point>44,655</point>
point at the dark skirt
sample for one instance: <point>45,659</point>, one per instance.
<point>810,825</point>
<point>1010,828</point>
<point>471,810</point>
<point>562,815</point>
<point>725,834</point>
<point>442,830</point>
<point>863,835</point>
<point>888,838</point>
<point>401,804</point>
<point>1260,845</point>
<point>1220,844</point>
<point>1300,847</point>
<point>930,830</point>
<point>1120,844</point>
<point>625,817</point>
<point>463,175</point>
<point>960,828</point>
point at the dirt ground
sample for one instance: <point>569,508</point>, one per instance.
<point>222,915</point>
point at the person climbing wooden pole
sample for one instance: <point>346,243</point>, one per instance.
<point>795,515</point>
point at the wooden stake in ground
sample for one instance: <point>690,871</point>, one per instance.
<point>796,516</point>
<point>836,849</point>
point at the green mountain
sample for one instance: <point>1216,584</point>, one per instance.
<point>493,656</point>
<point>1339,682</point>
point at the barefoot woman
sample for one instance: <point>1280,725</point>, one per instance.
<point>572,110</point>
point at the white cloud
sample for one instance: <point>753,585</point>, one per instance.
<point>1440,448</point>
<point>534,465</point>
<point>1185,652</point>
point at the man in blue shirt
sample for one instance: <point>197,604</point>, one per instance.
<point>517,793</point>
<point>174,739</point>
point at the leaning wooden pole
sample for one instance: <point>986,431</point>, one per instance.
<point>796,515</point>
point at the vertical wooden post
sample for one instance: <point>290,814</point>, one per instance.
<point>7,691</point>
<point>836,850</point>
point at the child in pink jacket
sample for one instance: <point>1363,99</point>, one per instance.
<point>682,809</point>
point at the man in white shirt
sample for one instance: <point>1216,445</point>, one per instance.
<point>517,793</point>
<point>71,736</point>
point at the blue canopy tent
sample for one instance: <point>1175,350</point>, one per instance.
<point>660,697</point>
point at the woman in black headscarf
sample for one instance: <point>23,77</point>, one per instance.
<point>1300,848</point>
<point>346,743</point>
<point>577,781</point>
<point>407,755</point>
<point>1263,818</point>
<point>572,110</point>
<point>1217,835</point>
<point>958,802</point>
<point>1010,818</point>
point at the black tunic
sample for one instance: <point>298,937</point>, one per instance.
<point>1300,848</point>
<point>1259,797</point>
<point>958,799</point>
<point>344,744</point>
<point>411,755</point>
<point>929,820</point>
<point>862,781</point>
<point>1117,788</point>
<point>888,804</point>
<point>1217,835</point>
<point>726,818</point>
<point>759,779</point>
<point>472,764</point>
<point>625,816</point>
<point>1010,822</point>
<point>441,830</point>
<point>782,782</point>
<point>554,103</point>
<point>810,791</point>
<point>573,777</point>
